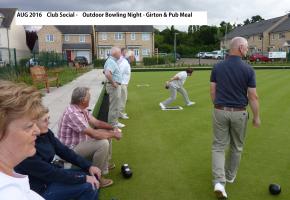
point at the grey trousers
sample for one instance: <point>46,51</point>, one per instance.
<point>114,107</point>
<point>97,151</point>
<point>124,95</point>
<point>229,128</point>
<point>172,97</point>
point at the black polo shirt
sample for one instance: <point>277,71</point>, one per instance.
<point>233,77</point>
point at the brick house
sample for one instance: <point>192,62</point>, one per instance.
<point>264,36</point>
<point>71,41</point>
<point>139,39</point>
<point>280,37</point>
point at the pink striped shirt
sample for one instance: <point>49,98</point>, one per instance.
<point>72,125</point>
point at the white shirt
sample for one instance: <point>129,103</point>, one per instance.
<point>16,188</point>
<point>180,82</point>
<point>125,69</point>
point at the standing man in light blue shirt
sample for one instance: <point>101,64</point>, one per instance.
<point>113,86</point>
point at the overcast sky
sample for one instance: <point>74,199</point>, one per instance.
<point>217,10</point>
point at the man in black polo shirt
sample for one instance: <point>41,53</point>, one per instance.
<point>232,87</point>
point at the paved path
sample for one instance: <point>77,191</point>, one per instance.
<point>59,98</point>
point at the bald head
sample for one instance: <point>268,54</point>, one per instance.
<point>239,46</point>
<point>237,42</point>
<point>116,52</point>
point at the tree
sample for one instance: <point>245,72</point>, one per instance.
<point>247,21</point>
<point>225,28</point>
<point>256,18</point>
<point>190,30</point>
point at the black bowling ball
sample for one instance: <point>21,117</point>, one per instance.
<point>274,189</point>
<point>127,173</point>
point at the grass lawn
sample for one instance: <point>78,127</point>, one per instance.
<point>170,151</point>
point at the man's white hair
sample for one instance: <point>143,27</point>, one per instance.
<point>236,42</point>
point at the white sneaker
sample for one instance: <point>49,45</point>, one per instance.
<point>123,116</point>
<point>162,106</point>
<point>231,180</point>
<point>120,125</point>
<point>220,191</point>
<point>190,103</point>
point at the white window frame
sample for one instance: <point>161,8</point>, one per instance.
<point>107,52</point>
<point>273,36</point>
<point>281,36</point>
<point>145,52</point>
<point>104,36</point>
<point>118,36</point>
<point>145,36</point>
<point>66,38</point>
<point>82,38</point>
<point>49,38</point>
<point>133,36</point>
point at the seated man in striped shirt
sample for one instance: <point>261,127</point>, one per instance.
<point>75,131</point>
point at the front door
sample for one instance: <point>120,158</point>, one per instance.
<point>68,55</point>
<point>136,53</point>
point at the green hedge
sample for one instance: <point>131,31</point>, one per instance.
<point>154,60</point>
<point>99,63</point>
<point>99,102</point>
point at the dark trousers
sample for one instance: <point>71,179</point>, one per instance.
<point>61,191</point>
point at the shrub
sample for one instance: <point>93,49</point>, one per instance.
<point>23,66</point>
<point>154,60</point>
<point>99,63</point>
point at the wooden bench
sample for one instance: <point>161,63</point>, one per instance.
<point>39,75</point>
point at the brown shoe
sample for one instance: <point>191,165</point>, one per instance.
<point>104,182</point>
<point>111,166</point>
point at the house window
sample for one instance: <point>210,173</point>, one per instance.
<point>253,38</point>
<point>49,38</point>
<point>145,36</point>
<point>66,38</point>
<point>280,49</point>
<point>118,36</point>
<point>82,38</point>
<point>260,37</point>
<point>108,52</point>
<point>145,52</point>
<point>281,35</point>
<point>133,36</point>
<point>104,36</point>
<point>273,36</point>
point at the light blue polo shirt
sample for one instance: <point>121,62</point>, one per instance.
<point>112,66</point>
